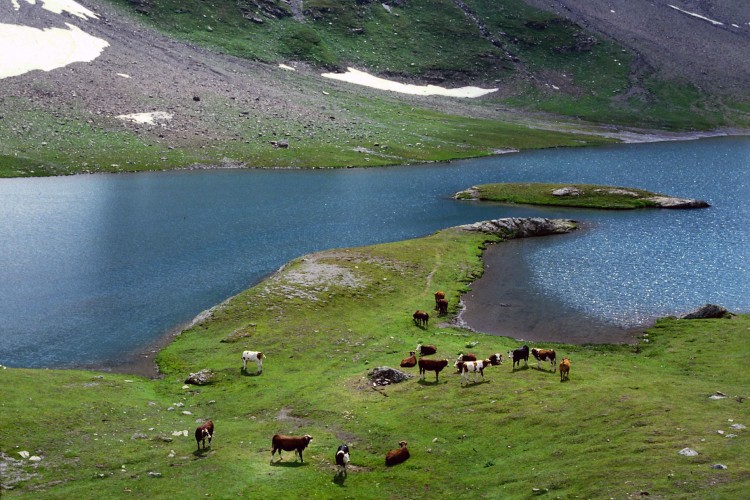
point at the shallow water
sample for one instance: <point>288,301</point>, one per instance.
<point>95,268</point>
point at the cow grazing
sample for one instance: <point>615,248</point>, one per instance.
<point>564,369</point>
<point>342,457</point>
<point>496,359</point>
<point>409,362</point>
<point>205,431</point>
<point>442,307</point>
<point>290,443</point>
<point>522,353</point>
<point>252,356</point>
<point>439,295</point>
<point>421,318</point>
<point>545,355</point>
<point>432,365</point>
<point>398,456</point>
<point>472,367</point>
<point>463,358</point>
<point>426,350</point>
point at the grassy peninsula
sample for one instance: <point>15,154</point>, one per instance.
<point>574,195</point>
<point>324,321</point>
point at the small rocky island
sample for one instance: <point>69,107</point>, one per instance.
<point>575,195</point>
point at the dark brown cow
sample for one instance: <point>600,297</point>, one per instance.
<point>426,349</point>
<point>205,431</point>
<point>395,457</point>
<point>290,443</point>
<point>421,318</point>
<point>409,362</point>
<point>442,306</point>
<point>432,365</point>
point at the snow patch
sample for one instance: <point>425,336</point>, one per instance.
<point>361,78</point>
<point>146,118</point>
<point>24,49</point>
<point>715,23</point>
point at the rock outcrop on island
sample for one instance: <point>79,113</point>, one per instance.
<point>522,227</point>
<point>708,311</point>
<point>671,202</point>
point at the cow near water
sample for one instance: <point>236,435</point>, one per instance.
<point>545,355</point>
<point>522,353</point>
<point>421,318</point>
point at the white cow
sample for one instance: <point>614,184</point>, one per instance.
<point>252,356</point>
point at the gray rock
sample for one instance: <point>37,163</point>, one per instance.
<point>708,311</point>
<point>384,375</point>
<point>154,474</point>
<point>688,452</point>
<point>203,377</point>
<point>670,202</point>
<point>567,191</point>
<point>519,227</point>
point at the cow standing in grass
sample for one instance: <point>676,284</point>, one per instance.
<point>203,432</point>
<point>289,443</point>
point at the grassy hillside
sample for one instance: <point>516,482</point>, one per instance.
<point>539,60</point>
<point>613,430</point>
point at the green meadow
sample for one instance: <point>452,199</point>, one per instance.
<point>324,321</point>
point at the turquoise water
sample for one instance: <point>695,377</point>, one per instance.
<point>95,268</point>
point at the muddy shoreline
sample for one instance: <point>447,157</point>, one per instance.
<point>500,303</point>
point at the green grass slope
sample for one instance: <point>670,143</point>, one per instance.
<point>324,321</point>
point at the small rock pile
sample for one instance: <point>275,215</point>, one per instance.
<point>384,375</point>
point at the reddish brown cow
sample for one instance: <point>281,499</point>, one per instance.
<point>421,318</point>
<point>442,306</point>
<point>205,431</point>
<point>433,365</point>
<point>438,296</point>
<point>395,457</point>
<point>545,355</point>
<point>409,362</point>
<point>290,443</point>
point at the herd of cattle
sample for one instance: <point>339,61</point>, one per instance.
<point>468,365</point>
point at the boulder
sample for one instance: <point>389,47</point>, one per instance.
<point>708,311</point>
<point>384,375</point>
<point>203,377</point>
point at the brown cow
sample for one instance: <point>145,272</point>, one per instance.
<point>409,362</point>
<point>545,355</point>
<point>289,443</point>
<point>433,365</point>
<point>395,457</point>
<point>438,296</point>
<point>421,318</point>
<point>205,431</point>
<point>426,349</point>
<point>564,369</point>
<point>442,307</point>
